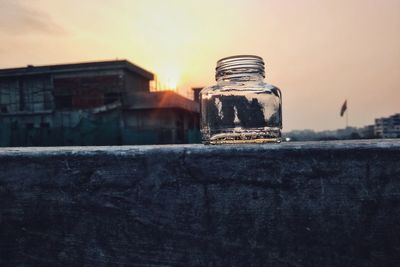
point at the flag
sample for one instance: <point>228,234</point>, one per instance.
<point>343,109</point>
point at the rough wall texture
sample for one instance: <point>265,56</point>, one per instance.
<point>299,204</point>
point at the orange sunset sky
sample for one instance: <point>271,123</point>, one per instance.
<point>319,52</point>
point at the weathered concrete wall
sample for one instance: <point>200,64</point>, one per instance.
<point>297,204</point>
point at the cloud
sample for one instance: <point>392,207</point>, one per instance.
<point>17,18</point>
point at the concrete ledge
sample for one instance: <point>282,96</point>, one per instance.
<point>290,204</point>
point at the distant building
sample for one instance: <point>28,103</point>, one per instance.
<point>368,132</point>
<point>388,127</point>
<point>94,103</point>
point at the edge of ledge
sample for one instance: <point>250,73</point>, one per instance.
<point>372,144</point>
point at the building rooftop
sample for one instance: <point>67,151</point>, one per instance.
<point>164,99</point>
<point>73,67</point>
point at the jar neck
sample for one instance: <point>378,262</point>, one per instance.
<point>240,68</point>
<point>240,78</point>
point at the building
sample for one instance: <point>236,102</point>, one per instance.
<point>94,103</point>
<point>388,127</point>
<point>368,132</point>
<point>160,117</point>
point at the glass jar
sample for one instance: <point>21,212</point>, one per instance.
<point>241,107</point>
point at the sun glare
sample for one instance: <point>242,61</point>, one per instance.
<point>166,80</point>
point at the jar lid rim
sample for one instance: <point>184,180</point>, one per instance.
<point>240,56</point>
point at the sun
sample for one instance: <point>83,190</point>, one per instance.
<point>172,84</point>
<point>166,79</point>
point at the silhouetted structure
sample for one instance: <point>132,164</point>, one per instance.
<point>196,93</point>
<point>94,103</point>
<point>388,127</point>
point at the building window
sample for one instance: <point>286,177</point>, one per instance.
<point>14,125</point>
<point>3,109</point>
<point>63,101</point>
<point>111,97</point>
<point>29,125</point>
<point>45,125</point>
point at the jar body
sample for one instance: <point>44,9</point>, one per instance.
<point>236,111</point>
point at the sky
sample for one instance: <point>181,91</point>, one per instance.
<point>318,52</point>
